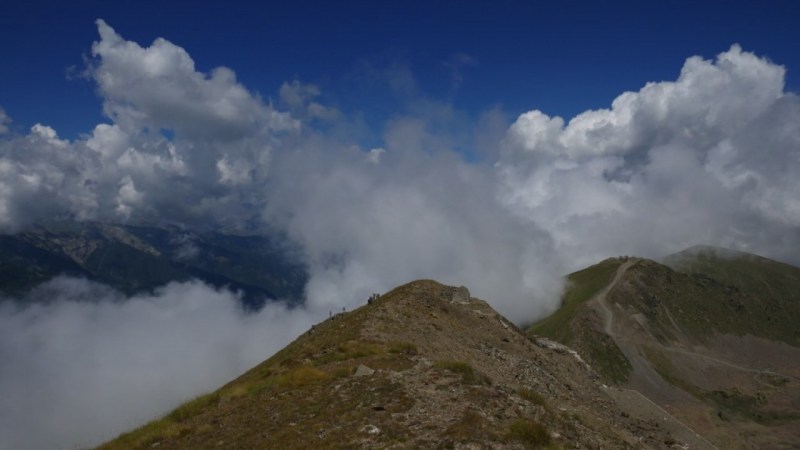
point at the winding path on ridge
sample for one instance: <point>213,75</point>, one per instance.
<point>631,398</point>
<point>609,322</point>
<point>600,297</point>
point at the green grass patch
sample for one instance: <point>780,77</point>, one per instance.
<point>468,374</point>
<point>666,370</point>
<point>564,325</point>
<point>734,403</point>
<point>529,433</point>
<point>194,407</point>
<point>737,293</point>
<point>405,348</point>
<point>351,350</point>
<point>532,396</point>
<point>470,427</point>
<point>606,358</point>
<point>171,425</point>
<point>581,286</point>
<point>300,376</point>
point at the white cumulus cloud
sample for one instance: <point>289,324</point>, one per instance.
<point>159,87</point>
<point>709,158</point>
<point>4,121</point>
<point>182,145</point>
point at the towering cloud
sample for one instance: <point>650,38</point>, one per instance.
<point>183,146</point>
<point>709,158</point>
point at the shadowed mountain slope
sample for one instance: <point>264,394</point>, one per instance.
<point>712,337</point>
<point>423,366</point>
<point>752,295</point>
<point>135,259</point>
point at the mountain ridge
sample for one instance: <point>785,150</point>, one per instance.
<point>425,365</point>
<point>699,349</point>
<point>712,340</point>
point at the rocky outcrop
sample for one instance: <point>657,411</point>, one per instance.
<point>458,294</point>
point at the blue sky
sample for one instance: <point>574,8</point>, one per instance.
<point>559,57</point>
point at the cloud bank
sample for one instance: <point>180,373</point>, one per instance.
<point>84,364</point>
<point>710,158</point>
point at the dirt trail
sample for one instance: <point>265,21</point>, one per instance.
<point>600,297</point>
<point>723,362</point>
<point>647,378</point>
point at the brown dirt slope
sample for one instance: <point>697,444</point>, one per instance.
<point>424,366</point>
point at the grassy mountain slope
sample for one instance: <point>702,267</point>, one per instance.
<point>575,325</point>
<point>712,337</point>
<point>581,286</point>
<point>753,295</point>
<point>425,366</point>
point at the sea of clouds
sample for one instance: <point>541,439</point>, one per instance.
<point>710,158</point>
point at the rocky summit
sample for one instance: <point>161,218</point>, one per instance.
<point>422,366</point>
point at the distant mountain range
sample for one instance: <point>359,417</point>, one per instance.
<point>698,351</point>
<point>135,259</point>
